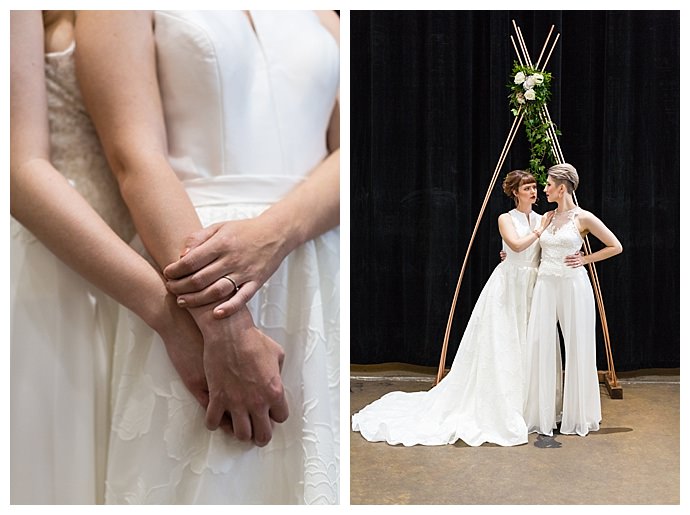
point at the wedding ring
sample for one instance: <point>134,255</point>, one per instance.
<point>232,281</point>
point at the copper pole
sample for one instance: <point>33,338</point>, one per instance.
<point>516,51</point>
<point>558,153</point>
<point>550,51</point>
<point>506,147</point>
<point>544,47</point>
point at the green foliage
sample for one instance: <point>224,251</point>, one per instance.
<point>530,90</point>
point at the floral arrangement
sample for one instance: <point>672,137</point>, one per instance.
<point>529,91</point>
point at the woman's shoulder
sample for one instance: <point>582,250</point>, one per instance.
<point>583,214</point>
<point>331,21</point>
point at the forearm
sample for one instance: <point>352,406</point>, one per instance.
<point>602,254</point>
<point>46,204</point>
<point>312,208</point>
<point>520,244</point>
<point>160,208</point>
<point>116,68</point>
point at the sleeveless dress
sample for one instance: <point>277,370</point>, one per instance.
<point>61,327</point>
<point>481,398</point>
<point>246,115</point>
<point>563,296</point>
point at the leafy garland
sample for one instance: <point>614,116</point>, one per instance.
<point>530,90</point>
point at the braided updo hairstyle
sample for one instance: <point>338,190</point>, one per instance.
<point>565,174</point>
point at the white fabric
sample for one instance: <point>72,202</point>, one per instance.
<point>481,398</point>
<point>562,295</point>
<point>247,115</point>
<point>61,328</point>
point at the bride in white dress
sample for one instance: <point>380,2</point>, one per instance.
<point>481,398</point>
<point>247,100</point>
<point>67,253</point>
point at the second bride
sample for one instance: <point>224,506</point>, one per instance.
<point>481,399</point>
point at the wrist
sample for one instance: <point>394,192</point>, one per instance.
<point>225,329</point>
<point>160,311</point>
<point>284,230</point>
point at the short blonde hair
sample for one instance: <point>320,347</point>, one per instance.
<point>565,174</point>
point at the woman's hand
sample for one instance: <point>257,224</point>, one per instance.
<point>546,220</point>
<point>575,260</point>
<point>242,253</point>
<point>185,347</point>
<point>242,367</point>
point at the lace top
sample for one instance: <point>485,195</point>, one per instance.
<point>523,226</point>
<point>74,146</point>
<point>560,239</point>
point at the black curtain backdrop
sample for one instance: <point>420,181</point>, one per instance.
<point>429,117</point>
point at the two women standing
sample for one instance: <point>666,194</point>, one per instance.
<point>505,379</point>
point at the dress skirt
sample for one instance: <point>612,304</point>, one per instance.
<point>481,398</point>
<point>160,449</point>
<point>61,337</point>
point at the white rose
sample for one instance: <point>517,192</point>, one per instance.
<point>538,78</point>
<point>519,78</point>
<point>529,94</point>
<point>520,98</point>
<point>530,82</point>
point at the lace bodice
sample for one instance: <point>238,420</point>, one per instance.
<point>74,145</point>
<point>560,239</point>
<point>523,226</point>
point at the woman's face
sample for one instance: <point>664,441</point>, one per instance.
<point>527,194</point>
<point>551,190</point>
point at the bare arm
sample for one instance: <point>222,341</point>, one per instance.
<point>588,223</point>
<point>42,199</point>
<point>117,74</point>
<point>510,236</point>
<point>46,204</point>
<point>310,209</point>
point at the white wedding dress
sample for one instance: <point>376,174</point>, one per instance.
<point>481,398</point>
<point>246,113</point>
<point>61,327</point>
<point>562,295</point>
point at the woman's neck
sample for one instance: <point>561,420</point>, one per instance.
<point>527,209</point>
<point>565,204</point>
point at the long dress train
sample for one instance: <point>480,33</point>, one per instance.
<point>246,114</point>
<point>481,398</point>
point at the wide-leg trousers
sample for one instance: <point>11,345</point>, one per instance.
<point>569,302</point>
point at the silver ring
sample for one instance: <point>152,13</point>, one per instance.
<point>232,281</point>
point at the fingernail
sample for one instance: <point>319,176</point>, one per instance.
<point>219,312</point>
<point>184,252</point>
<point>181,301</point>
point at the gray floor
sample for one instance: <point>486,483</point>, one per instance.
<point>633,459</point>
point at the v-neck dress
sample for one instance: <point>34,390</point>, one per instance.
<point>247,106</point>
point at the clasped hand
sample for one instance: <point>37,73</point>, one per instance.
<point>242,365</point>
<point>246,251</point>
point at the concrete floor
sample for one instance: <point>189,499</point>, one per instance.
<point>633,459</point>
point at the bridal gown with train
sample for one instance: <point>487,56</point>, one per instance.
<point>247,108</point>
<point>481,398</point>
<point>61,327</point>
